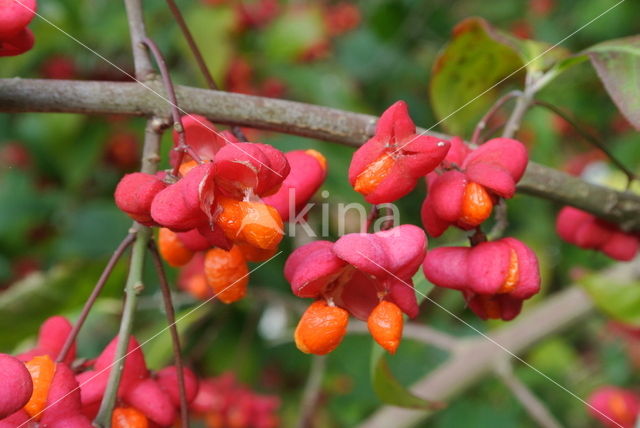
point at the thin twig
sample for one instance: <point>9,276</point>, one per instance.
<point>532,404</point>
<point>501,220</point>
<point>173,330</point>
<point>522,106</point>
<point>97,289</point>
<point>311,391</point>
<point>492,131</point>
<point>491,112</point>
<point>133,288</point>
<point>515,120</point>
<point>597,142</point>
<point>182,146</point>
<point>202,65</point>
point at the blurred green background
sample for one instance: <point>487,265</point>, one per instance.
<point>58,223</point>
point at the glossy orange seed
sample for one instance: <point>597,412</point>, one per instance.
<point>371,177</point>
<point>172,249</point>
<point>256,223</point>
<point>385,325</point>
<point>128,417</point>
<point>227,273</point>
<point>42,369</point>
<point>321,328</point>
<point>476,205</point>
<point>512,274</point>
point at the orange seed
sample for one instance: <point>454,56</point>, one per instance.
<point>172,249</point>
<point>42,369</point>
<point>512,274</point>
<point>321,328</point>
<point>255,223</point>
<point>371,177</point>
<point>385,325</point>
<point>227,273</point>
<point>476,205</point>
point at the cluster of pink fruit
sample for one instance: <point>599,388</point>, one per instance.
<point>227,175</point>
<point>224,210</point>
<point>37,390</point>
<point>369,275</point>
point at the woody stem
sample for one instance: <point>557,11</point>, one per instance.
<point>133,288</point>
<point>182,146</point>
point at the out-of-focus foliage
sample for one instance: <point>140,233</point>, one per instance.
<point>58,224</point>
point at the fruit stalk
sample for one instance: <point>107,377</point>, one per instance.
<point>173,330</point>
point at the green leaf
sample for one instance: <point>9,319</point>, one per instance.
<point>619,299</point>
<point>617,63</point>
<point>389,390</point>
<point>464,73</point>
<point>478,58</point>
